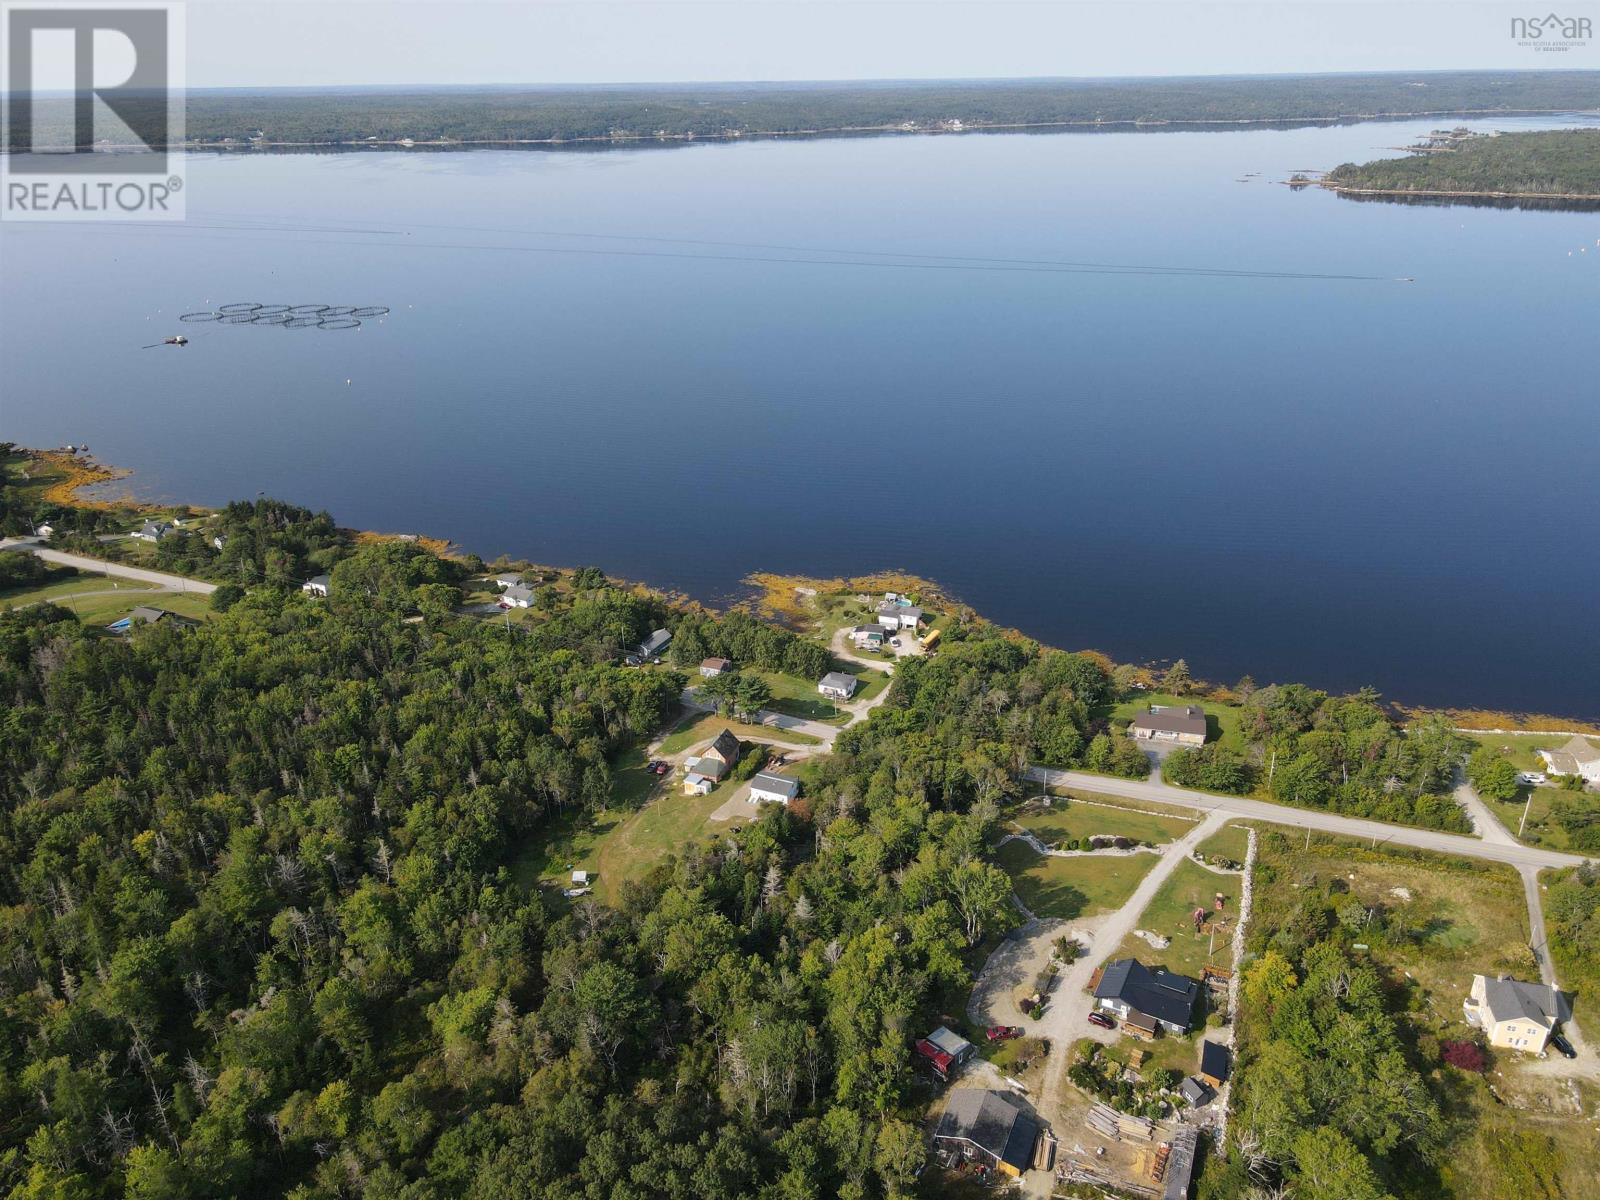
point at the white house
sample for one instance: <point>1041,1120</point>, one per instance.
<point>507,580</point>
<point>1515,1015</point>
<point>895,615</point>
<point>152,531</point>
<point>776,789</point>
<point>518,595</point>
<point>836,685</point>
<point>317,585</point>
<point>710,668</point>
<point>45,530</point>
<point>868,637</point>
<point>1576,757</point>
<point>580,878</point>
<point>218,541</point>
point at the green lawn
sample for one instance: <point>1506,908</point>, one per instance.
<point>99,610</point>
<point>702,727</point>
<point>1190,886</point>
<point>1066,819</point>
<point>1222,720</point>
<point>1521,747</point>
<point>795,697</point>
<point>1230,842</point>
<point>1072,887</point>
<point>663,827</point>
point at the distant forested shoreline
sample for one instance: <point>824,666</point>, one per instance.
<point>348,117</point>
<point>1552,164</point>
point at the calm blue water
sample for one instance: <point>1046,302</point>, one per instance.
<point>1339,481</point>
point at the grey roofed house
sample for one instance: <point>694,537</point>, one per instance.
<point>153,531</point>
<point>1129,986</point>
<point>837,683</point>
<point>952,1043</point>
<point>1575,757</point>
<point>518,595</point>
<point>992,1124</point>
<point>770,786</point>
<point>508,579</point>
<point>1509,999</point>
<point>1170,723</point>
<point>317,585</point>
<point>714,666</point>
<point>1194,1092</point>
<point>655,644</point>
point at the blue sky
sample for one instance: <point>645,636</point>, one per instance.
<point>319,42</point>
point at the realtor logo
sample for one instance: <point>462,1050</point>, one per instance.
<point>1552,32</point>
<point>91,110</point>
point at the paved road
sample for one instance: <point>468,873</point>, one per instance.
<point>1066,1019</point>
<point>175,583</point>
<point>1511,852</point>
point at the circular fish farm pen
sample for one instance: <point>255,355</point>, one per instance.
<point>289,316</point>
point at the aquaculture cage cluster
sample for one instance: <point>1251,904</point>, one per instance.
<point>289,316</point>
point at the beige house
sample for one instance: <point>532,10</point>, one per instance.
<point>1515,1015</point>
<point>1577,757</point>
<point>1184,724</point>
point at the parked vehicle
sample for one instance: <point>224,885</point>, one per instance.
<point>662,768</point>
<point>1001,1033</point>
<point>1563,1046</point>
<point>1102,1020</point>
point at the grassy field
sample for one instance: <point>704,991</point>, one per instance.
<point>1230,842</point>
<point>1066,819</point>
<point>702,727</point>
<point>1222,720</point>
<point>1072,887</point>
<point>798,698</point>
<point>1522,748</point>
<point>1540,830</point>
<point>98,610</point>
<point>1471,917</point>
<point>1190,886</point>
<point>665,826</point>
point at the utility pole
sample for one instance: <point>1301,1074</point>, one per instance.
<point>1526,806</point>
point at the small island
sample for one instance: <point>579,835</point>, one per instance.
<point>1548,165</point>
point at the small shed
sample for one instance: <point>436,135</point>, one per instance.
<point>1215,1063</point>
<point>710,668</point>
<point>953,1044</point>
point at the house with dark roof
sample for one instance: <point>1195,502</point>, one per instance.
<point>146,615</point>
<point>717,759</point>
<point>1180,1163</point>
<point>1194,1092</point>
<point>654,644</point>
<point>1515,1015</point>
<point>517,595</point>
<point>152,531</point>
<point>1127,987</point>
<point>1183,724</point>
<point>988,1128</point>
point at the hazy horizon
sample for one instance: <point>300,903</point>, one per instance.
<point>251,44</point>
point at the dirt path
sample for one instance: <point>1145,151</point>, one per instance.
<point>1066,1017</point>
<point>1484,823</point>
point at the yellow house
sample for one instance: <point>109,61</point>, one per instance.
<point>1515,1015</point>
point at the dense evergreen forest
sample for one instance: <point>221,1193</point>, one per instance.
<point>1339,753</point>
<point>258,936</point>
<point>714,110</point>
<point>1562,162</point>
